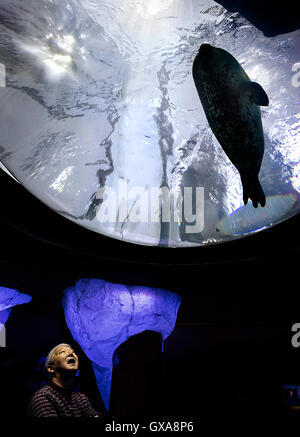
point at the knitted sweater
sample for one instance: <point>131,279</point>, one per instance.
<point>54,401</point>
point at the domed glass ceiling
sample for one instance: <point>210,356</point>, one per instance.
<point>101,120</point>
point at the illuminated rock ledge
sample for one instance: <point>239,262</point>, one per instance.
<point>8,299</point>
<point>101,315</point>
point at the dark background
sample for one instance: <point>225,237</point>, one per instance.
<point>231,349</point>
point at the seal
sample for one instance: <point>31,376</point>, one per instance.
<point>231,104</point>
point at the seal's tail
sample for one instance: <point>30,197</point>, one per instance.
<point>252,190</point>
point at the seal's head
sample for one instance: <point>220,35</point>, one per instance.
<point>203,58</point>
<point>206,50</point>
<point>208,57</point>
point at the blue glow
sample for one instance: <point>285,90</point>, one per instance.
<point>4,315</point>
<point>247,220</point>
<point>101,315</point>
<point>8,299</point>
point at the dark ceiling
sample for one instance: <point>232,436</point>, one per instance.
<point>271,17</point>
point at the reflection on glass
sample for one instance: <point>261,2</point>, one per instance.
<point>99,112</point>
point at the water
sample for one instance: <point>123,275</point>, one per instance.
<point>100,94</point>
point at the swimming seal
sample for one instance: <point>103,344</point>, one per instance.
<point>231,105</point>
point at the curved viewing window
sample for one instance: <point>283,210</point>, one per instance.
<point>101,120</point>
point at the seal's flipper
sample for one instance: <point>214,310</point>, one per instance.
<point>252,190</point>
<point>257,93</point>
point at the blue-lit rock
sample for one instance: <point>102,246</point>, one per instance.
<point>8,299</point>
<point>101,315</point>
<point>4,315</point>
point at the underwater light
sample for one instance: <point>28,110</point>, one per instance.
<point>100,109</point>
<point>102,315</point>
<point>8,299</point>
<point>247,220</point>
